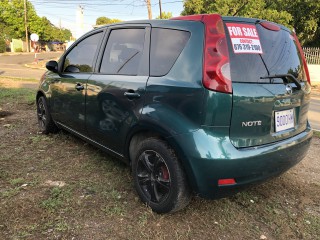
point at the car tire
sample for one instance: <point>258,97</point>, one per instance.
<point>45,121</point>
<point>158,176</point>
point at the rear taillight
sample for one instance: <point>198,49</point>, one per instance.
<point>303,57</point>
<point>216,66</point>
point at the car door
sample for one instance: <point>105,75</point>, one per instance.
<point>115,93</point>
<point>68,88</point>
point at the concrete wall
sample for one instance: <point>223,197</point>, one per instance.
<point>314,71</point>
<point>18,44</point>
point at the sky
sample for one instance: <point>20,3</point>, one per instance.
<point>65,11</point>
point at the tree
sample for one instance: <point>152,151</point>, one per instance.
<point>306,18</point>
<point>12,15</point>
<point>12,22</point>
<point>302,15</point>
<point>105,20</point>
<point>243,8</point>
<point>2,44</point>
<point>165,15</point>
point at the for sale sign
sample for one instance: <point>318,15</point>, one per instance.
<point>244,38</point>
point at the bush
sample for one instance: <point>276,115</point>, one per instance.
<point>3,45</point>
<point>18,50</point>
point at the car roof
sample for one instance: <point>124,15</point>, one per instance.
<point>171,22</point>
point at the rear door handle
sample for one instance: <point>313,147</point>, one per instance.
<point>131,94</point>
<point>79,87</point>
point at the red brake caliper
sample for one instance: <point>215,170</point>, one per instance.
<point>165,172</point>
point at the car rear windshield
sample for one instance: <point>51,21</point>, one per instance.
<point>257,52</point>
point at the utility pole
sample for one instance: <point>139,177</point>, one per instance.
<point>79,21</point>
<point>149,8</point>
<point>26,25</point>
<point>60,34</point>
<point>160,8</point>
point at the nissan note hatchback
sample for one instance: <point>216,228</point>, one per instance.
<point>198,104</point>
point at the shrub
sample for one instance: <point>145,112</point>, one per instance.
<point>2,45</point>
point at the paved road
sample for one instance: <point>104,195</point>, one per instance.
<point>13,65</point>
<point>314,112</point>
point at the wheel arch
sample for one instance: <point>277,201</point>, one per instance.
<point>40,93</point>
<point>139,133</point>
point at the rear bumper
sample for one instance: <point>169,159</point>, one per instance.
<point>208,156</point>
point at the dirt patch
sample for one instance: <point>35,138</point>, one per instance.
<point>59,187</point>
<point>5,113</point>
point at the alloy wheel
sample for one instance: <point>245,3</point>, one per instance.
<point>42,117</point>
<point>153,176</point>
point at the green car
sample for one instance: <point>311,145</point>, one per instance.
<point>200,104</point>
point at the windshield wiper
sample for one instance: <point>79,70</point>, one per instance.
<point>285,78</point>
<point>127,61</point>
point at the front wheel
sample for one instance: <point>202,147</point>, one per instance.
<point>158,177</point>
<point>45,121</point>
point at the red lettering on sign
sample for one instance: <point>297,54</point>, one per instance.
<point>245,40</point>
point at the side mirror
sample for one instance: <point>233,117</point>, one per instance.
<point>72,69</point>
<point>52,66</point>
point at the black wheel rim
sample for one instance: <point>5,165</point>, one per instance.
<point>153,176</point>
<point>42,117</point>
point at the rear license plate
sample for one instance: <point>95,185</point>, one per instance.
<point>284,120</point>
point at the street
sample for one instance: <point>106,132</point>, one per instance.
<point>314,112</point>
<point>13,66</point>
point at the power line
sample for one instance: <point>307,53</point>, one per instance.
<point>57,4</point>
<point>95,8</point>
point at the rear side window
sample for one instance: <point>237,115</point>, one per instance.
<point>123,53</point>
<point>166,46</point>
<point>80,58</point>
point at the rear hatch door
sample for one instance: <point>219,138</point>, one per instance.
<point>271,94</point>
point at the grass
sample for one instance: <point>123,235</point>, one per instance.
<point>17,181</point>
<point>40,138</point>
<point>57,199</point>
<point>117,210</point>
<point>316,134</point>
<point>3,174</point>
<point>10,192</point>
<point>99,201</point>
<point>311,223</point>
<point>17,95</point>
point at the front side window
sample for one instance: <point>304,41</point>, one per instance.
<point>80,58</point>
<point>123,52</point>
